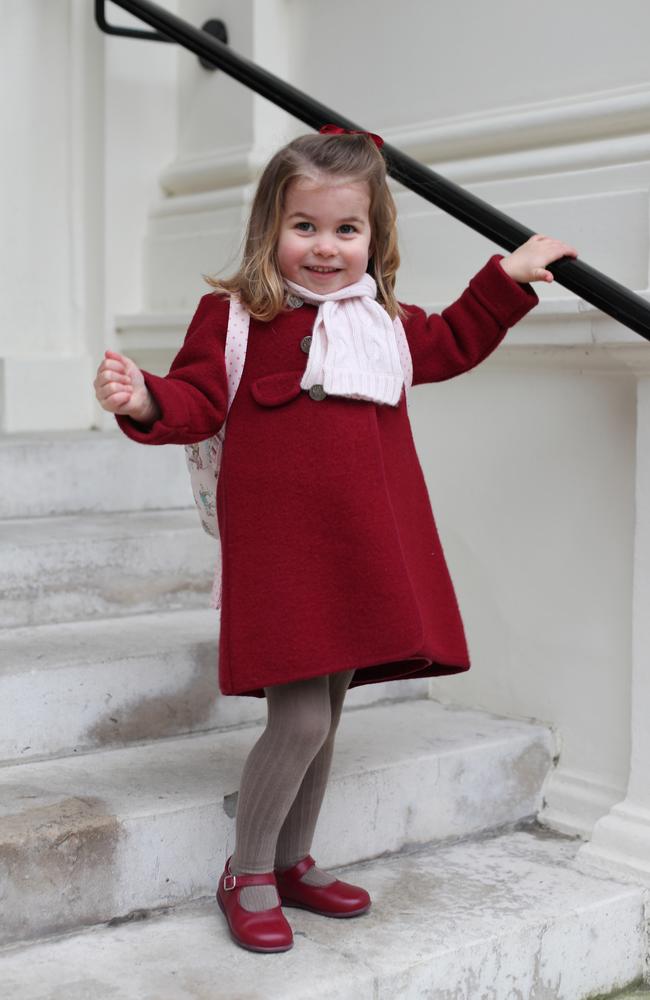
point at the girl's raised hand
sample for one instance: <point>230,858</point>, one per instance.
<point>120,386</point>
<point>528,262</point>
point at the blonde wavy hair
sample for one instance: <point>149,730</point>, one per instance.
<point>355,157</point>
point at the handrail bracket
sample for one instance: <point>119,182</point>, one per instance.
<point>213,26</point>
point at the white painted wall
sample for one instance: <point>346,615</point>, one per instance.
<point>394,64</point>
<point>531,476</point>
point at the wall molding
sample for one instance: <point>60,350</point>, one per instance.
<point>579,132</point>
<point>586,130</point>
<point>620,845</point>
<point>575,801</point>
<point>225,168</point>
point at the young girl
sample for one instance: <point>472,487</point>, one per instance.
<point>333,574</point>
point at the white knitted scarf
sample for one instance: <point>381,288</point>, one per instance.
<point>354,349</point>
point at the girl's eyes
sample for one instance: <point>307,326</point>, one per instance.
<point>346,227</point>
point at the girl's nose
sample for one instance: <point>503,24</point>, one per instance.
<point>325,249</point>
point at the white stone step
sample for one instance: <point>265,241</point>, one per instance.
<point>94,837</point>
<point>71,472</point>
<point>499,918</point>
<point>75,687</point>
<point>85,566</point>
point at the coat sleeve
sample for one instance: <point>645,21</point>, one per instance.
<point>193,396</point>
<point>467,331</point>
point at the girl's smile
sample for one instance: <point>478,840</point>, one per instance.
<point>324,241</point>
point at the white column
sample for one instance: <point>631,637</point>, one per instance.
<point>51,184</point>
<point>620,841</point>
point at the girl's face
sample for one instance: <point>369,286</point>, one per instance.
<point>324,241</point>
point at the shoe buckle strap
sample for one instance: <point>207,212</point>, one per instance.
<point>240,881</point>
<point>299,869</point>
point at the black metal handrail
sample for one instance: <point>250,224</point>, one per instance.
<point>590,284</point>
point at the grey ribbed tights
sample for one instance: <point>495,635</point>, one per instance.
<point>283,782</point>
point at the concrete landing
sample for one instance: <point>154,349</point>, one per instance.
<point>503,917</point>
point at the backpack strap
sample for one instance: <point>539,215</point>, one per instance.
<point>235,356</point>
<point>236,343</point>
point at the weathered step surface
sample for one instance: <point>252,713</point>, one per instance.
<point>505,917</point>
<point>55,569</point>
<point>75,687</point>
<point>73,472</point>
<point>89,838</point>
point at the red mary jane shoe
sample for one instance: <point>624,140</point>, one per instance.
<point>339,899</point>
<point>266,930</point>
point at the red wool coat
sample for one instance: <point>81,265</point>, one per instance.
<point>330,555</point>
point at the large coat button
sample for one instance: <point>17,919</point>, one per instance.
<point>294,301</point>
<point>317,392</point>
<point>305,344</point>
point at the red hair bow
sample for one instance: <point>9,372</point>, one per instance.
<point>337,130</point>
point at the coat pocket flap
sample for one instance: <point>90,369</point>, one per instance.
<point>276,389</point>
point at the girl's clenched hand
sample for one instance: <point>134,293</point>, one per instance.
<point>528,262</point>
<point>120,386</point>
